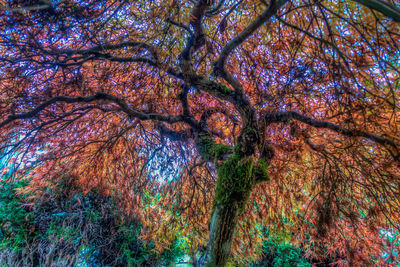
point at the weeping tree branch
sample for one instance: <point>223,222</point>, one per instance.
<point>213,110</point>
<point>292,115</point>
<point>197,39</point>
<point>182,135</point>
<point>241,101</point>
<point>216,9</point>
<point>141,115</point>
<point>76,57</point>
<point>105,47</point>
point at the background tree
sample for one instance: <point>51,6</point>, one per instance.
<point>281,113</point>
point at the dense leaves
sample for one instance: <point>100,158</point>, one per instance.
<point>119,95</point>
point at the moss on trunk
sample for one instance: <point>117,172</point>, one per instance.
<point>261,171</point>
<point>237,176</point>
<point>235,181</point>
<point>211,151</point>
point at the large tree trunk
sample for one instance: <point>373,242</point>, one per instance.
<point>222,228</point>
<point>234,185</point>
<point>236,178</point>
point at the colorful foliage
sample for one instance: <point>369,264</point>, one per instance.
<point>120,96</point>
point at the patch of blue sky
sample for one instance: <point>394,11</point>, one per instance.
<point>396,61</point>
<point>164,162</point>
<point>4,164</point>
<point>343,29</point>
<point>11,160</point>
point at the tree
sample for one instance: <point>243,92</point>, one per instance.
<point>289,109</point>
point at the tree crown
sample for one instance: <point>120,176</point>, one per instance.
<point>118,94</point>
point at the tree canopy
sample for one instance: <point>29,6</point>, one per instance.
<point>238,115</point>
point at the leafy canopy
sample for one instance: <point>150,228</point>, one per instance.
<point>118,93</point>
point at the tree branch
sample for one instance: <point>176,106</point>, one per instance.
<point>180,25</point>
<point>288,115</point>
<point>104,47</point>
<point>173,135</point>
<point>198,38</point>
<point>74,57</point>
<point>216,9</point>
<point>220,68</point>
<point>383,7</point>
<point>99,96</point>
<point>213,110</point>
<point>183,98</point>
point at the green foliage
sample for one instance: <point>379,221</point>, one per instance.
<point>392,247</point>
<point>127,240</point>
<point>176,251</point>
<point>225,89</point>
<point>277,252</point>
<point>72,229</point>
<point>285,254</point>
<point>16,221</point>
<point>134,252</point>
<point>67,233</point>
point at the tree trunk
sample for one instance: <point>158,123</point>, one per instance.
<point>234,185</point>
<point>236,178</point>
<point>222,228</point>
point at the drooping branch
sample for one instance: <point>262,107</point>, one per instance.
<point>77,57</point>
<point>321,40</point>
<point>211,111</point>
<point>184,100</point>
<point>65,56</point>
<point>240,101</point>
<point>180,25</point>
<point>214,88</point>
<point>383,7</point>
<point>39,6</point>
<point>292,115</point>
<point>249,30</point>
<point>182,135</point>
<point>141,115</point>
<point>103,48</point>
<point>77,112</point>
<point>197,15</point>
<point>216,9</point>
<point>197,40</point>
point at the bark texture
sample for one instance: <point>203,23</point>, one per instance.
<point>237,176</point>
<point>222,228</point>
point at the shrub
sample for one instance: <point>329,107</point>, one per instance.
<point>70,229</point>
<point>16,221</point>
<point>277,252</point>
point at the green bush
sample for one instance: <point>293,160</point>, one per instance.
<point>66,229</point>
<point>16,221</point>
<point>277,252</point>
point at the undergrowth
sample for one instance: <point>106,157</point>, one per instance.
<point>63,229</point>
